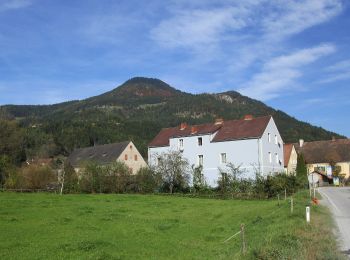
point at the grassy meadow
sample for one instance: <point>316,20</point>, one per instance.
<point>50,226</point>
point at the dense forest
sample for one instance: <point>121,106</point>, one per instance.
<point>135,111</point>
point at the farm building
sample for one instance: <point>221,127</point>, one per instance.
<point>254,144</point>
<point>106,154</point>
<point>327,157</point>
<point>290,158</point>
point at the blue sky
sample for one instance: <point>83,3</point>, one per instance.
<point>292,55</point>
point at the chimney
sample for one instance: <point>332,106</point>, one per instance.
<point>333,138</point>
<point>183,126</point>
<point>194,130</point>
<point>219,121</point>
<point>248,117</point>
<point>301,142</point>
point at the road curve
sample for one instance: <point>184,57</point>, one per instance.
<point>338,201</point>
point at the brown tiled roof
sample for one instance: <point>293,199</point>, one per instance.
<point>287,150</point>
<point>325,151</point>
<point>101,154</point>
<point>229,130</point>
<point>242,129</point>
<point>162,139</point>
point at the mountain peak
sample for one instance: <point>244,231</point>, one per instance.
<point>146,87</point>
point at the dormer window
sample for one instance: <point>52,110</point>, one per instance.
<point>200,141</point>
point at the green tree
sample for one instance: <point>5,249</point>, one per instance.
<point>12,141</point>
<point>173,169</point>
<point>198,179</point>
<point>69,179</point>
<point>147,180</point>
<point>301,171</point>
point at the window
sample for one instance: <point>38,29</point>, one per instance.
<point>181,143</point>
<point>159,160</point>
<point>200,141</point>
<point>269,137</point>
<point>276,155</point>
<point>126,157</point>
<point>270,157</point>
<point>276,140</point>
<point>223,158</point>
<point>135,157</point>
<point>200,160</point>
<point>130,147</point>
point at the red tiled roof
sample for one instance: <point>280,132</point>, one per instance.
<point>325,151</point>
<point>162,139</point>
<point>229,130</point>
<point>287,150</point>
<point>242,129</point>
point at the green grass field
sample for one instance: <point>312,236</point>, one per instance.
<point>49,226</point>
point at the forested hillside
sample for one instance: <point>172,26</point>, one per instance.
<point>135,111</point>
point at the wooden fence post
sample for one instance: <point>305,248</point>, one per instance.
<point>243,239</point>
<point>291,205</point>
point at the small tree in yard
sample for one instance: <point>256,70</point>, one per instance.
<point>301,171</point>
<point>147,180</point>
<point>120,175</point>
<point>224,181</point>
<point>68,179</point>
<point>173,170</point>
<point>230,178</point>
<point>199,182</point>
<point>92,178</point>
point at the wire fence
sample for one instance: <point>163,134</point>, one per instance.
<point>254,223</point>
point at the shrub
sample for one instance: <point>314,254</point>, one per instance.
<point>70,179</point>
<point>37,177</point>
<point>146,180</point>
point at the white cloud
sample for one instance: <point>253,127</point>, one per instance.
<point>197,27</point>
<point>198,23</point>
<point>337,72</point>
<point>6,5</point>
<point>292,17</point>
<point>279,74</point>
<point>339,66</point>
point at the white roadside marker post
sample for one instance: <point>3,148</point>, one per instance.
<point>308,214</point>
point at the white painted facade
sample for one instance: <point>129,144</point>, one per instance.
<point>252,155</point>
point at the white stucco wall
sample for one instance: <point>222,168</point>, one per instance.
<point>250,154</point>
<point>273,148</point>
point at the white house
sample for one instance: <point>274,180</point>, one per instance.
<point>254,144</point>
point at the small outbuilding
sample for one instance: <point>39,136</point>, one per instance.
<point>320,179</point>
<point>125,152</point>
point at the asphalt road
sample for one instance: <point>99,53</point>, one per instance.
<point>338,201</point>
